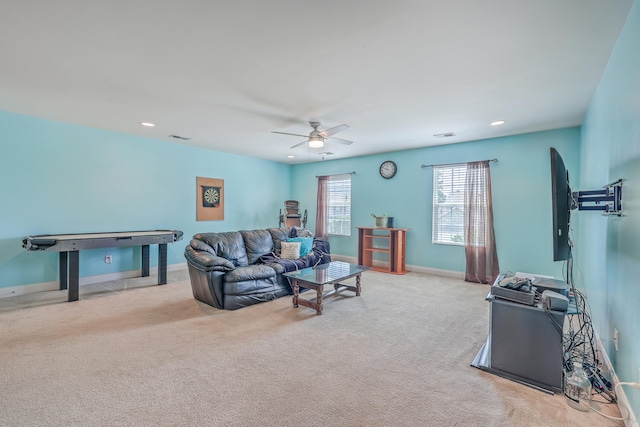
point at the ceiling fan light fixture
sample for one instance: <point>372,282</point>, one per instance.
<point>316,142</point>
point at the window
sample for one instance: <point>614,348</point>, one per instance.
<point>448,204</point>
<point>339,206</point>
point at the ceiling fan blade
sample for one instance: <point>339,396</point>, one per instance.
<point>297,145</point>
<point>294,134</point>
<point>341,141</point>
<point>332,131</point>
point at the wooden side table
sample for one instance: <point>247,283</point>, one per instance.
<point>390,241</point>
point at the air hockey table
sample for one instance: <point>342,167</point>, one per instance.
<point>70,245</point>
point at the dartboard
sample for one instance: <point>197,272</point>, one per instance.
<point>211,197</point>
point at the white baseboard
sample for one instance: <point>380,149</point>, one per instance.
<point>436,272</point>
<point>88,280</point>
<point>414,268</point>
<point>28,289</point>
<point>622,402</point>
<point>344,258</point>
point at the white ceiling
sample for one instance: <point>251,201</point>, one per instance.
<point>227,73</point>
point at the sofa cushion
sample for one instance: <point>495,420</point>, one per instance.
<point>257,243</point>
<point>229,245</point>
<point>199,245</point>
<point>279,268</point>
<point>250,272</point>
<point>278,235</point>
<point>205,260</point>
<point>243,294</point>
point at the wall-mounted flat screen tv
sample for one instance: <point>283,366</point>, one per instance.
<point>561,207</point>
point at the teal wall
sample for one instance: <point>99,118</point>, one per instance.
<point>521,185</point>
<point>609,248</point>
<point>62,178</point>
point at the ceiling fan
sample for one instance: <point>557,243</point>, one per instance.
<point>317,137</point>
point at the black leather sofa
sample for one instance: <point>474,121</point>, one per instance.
<point>231,270</point>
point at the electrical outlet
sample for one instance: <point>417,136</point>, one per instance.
<point>107,260</point>
<point>615,338</point>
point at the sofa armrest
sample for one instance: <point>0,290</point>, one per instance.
<point>205,261</point>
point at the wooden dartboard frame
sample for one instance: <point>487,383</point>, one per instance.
<point>204,211</point>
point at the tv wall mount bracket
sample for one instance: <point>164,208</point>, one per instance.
<point>608,199</point>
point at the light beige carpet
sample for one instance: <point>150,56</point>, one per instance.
<point>399,355</point>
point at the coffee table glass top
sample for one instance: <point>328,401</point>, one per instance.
<point>327,273</point>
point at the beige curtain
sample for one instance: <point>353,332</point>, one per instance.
<point>480,241</point>
<point>322,214</point>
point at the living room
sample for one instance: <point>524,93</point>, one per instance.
<point>63,177</point>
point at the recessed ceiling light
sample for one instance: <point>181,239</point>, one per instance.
<point>290,156</point>
<point>147,124</point>
<point>497,123</point>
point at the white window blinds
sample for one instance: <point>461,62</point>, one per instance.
<point>448,204</point>
<point>339,203</point>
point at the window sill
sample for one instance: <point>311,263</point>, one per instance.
<point>449,244</point>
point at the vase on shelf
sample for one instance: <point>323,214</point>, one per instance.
<point>381,221</point>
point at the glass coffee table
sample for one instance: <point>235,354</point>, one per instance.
<point>325,274</point>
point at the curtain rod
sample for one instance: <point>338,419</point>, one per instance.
<point>335,174</point>
<point>449,164</point>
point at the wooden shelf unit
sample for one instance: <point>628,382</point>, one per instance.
<point>390,241</point>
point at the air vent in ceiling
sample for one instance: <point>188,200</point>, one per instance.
<point>184,138</point>
<point>444,135</point>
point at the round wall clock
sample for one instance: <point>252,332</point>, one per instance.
<point>388,169</point>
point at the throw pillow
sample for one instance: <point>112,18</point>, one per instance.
<point>290,250</point>
<point>306,244</point>
<point>303,232</point>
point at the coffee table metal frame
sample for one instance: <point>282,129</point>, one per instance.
<point>325,274</point>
